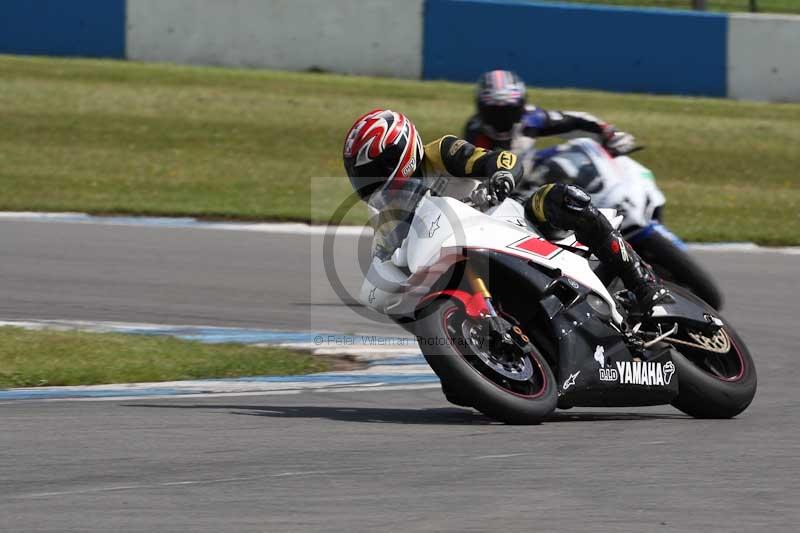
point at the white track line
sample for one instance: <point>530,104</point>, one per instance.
<point>150,486</point>
<point>327,390</point>
<point>291,228</point>
<point>284,228</point>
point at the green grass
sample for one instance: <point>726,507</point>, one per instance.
<point>117,137</point>
<point>41,358</point>
<point>763,6</point>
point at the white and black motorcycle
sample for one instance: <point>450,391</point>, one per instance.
<point>515,325</point>
<point>623,184</point>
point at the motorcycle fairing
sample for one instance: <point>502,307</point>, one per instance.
<point>684,312</point>
<point>637,235</point>
<point>621,183</point>
<point>589,349</point>
<point>580,322</point>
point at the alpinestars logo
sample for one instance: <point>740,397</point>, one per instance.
<point>645,372</point>
<point>571,380</point>
<point>434,226</point>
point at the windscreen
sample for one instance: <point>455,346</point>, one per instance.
<point>578,169</point>
<point>392,207</point>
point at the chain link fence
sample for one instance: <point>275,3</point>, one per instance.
<point>756,6</point>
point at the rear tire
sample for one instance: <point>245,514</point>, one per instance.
<point>673,264</point>
<point>472,382</point>
<point>713,384</point>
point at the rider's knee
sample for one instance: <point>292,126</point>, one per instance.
<point>564,206</point>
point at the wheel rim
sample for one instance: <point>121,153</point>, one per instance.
<point>516,369</point>
<point>718,355</point>
<point>522,377</point>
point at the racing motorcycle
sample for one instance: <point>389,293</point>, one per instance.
<point>623,184</point>
<point>515,325</point>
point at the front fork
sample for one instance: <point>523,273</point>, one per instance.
<point>479,290</point>
<point>502,331</point>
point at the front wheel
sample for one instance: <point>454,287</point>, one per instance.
<point>515,390</point>
<point>716,374</point>
<point>673,264</point>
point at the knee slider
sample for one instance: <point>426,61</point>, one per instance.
<point>575,198</point>
<point>563,206</point>
<point>534,206</point>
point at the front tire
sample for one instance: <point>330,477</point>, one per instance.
<point>461,365</point>
<point>675,265</point>
<point>718,381</point>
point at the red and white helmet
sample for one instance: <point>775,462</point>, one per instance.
<point>380,146</point>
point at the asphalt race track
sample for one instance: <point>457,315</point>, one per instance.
<point>364,461</point>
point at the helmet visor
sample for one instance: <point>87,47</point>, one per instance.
<point>501,117</point>
<point>394,205</point>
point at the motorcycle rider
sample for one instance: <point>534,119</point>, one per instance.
<point>384,147</point>
<point>505,121</point>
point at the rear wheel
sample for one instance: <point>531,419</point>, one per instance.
<point>716,374</point>
<point>516,389</point>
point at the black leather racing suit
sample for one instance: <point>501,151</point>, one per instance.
<point>535,122</point>
<point>563,206</point>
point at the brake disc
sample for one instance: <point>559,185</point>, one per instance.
<point>519,368</point>
<point>718,343</point>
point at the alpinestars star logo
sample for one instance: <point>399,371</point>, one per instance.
<point>434,226</point>
<point>571,380</point>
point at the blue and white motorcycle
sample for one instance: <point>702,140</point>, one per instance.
<point>623,184</point>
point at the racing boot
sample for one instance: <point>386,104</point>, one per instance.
<point>567,207</point>
<point>635,273</point>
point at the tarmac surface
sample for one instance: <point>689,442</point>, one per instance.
<point>356,460</point>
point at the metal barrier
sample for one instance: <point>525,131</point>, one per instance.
<point>664,50</point>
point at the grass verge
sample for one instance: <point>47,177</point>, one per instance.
<point>31,358</point>
<point>121,137</point>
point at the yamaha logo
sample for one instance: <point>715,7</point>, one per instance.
<point>645,372</point>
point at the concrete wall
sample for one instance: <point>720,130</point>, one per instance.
<point>550,45</point>
<point>375,37</point>
<point>764,58</point>
<point>573,45</point>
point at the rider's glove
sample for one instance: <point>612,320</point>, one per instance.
<point>618,142</point>
<point>501,184</point>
